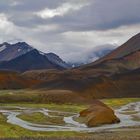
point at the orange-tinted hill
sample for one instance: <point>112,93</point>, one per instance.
<point>115,75</point>
<point>123,59</point>
<point>128,48</point>
<point>13,80</point>
<point>118,85</point>
<point>110,76</point>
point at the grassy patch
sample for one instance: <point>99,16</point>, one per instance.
<point>13,131</point>
<point>135,117</point>
<point>129,112</point>
<point>42,119</point>
<point>10,130</point>
<point>51,106</point>
<point>80,119</point>
<point>117,102</point>
<point>60,114</point>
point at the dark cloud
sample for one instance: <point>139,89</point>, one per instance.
<point>101,15</point>
<point>79,27</point>
<point>98,15</point>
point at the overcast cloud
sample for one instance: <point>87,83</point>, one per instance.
<point>69,28</point>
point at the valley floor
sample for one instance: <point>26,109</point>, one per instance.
<point>34,115</point>
<point>120,134</point>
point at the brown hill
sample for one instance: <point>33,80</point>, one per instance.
<point>13,80</point>
<point>123,59</point>
<point>109,76</point>
<point>130,47</point>
<point>118,85</point>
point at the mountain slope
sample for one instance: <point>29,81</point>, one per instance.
<point>99,52</point>
<point>108,78</point>
<point>22,57</point>
<point>122,59</point>
<point>13,80</point>
<point>55,59</point>
<point>32,60</point>
<point>115,77</point>
<point>131,46</point>
<point>11,51</point>
<point>118,85</point>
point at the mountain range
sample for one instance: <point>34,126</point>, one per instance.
<point>116,74</point>
<point>22,57</point>
<point>93,54</point>
<point>109,76</point>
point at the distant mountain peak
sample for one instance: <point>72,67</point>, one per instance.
<point>123,59</point>
<point>57,60</point>
<point>21,56</point>
<point>129,47</point>
<point>22,44</point>
<point>5,43</point>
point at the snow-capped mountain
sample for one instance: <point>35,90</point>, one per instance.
<point>22,57</point>
<point>11,51</point>
<point>57,60</point>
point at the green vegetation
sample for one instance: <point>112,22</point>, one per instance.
<point>80,119</point>
<point>15,96</point>
<point>8,130</point>
<point>31,99</point>
<point>129,112</point>
<point>61,114</point>
<point>42,119</point>
<point>117,102</point>
<point>51,106</point>
<point>41,96</point>
<point>135,117</point>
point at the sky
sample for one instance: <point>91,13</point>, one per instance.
<point>70,28</point>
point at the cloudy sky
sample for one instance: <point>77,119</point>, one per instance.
<point>69,28</point>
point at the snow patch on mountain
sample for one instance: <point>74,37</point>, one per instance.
<point>41,53</point>
<point>2,48</point>
<point>14,52</point>
<point>19,50</point>
<point>57,60</point>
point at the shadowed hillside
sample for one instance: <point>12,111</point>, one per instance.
<point>13,80</point>
<point>109,76</point>
<point>128,48</point>
<point>22,57</point>
<point>118,85</point>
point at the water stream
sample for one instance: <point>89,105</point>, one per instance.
<point>125,114</point>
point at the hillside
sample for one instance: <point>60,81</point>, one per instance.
<point>13,80</point>
<point>118,85</point>
<point>106,79</point>
<point>22,57</point>
<point>29,61</point>
<point>124,58</point>
<point>131,46</point>
<point>110,76</point>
